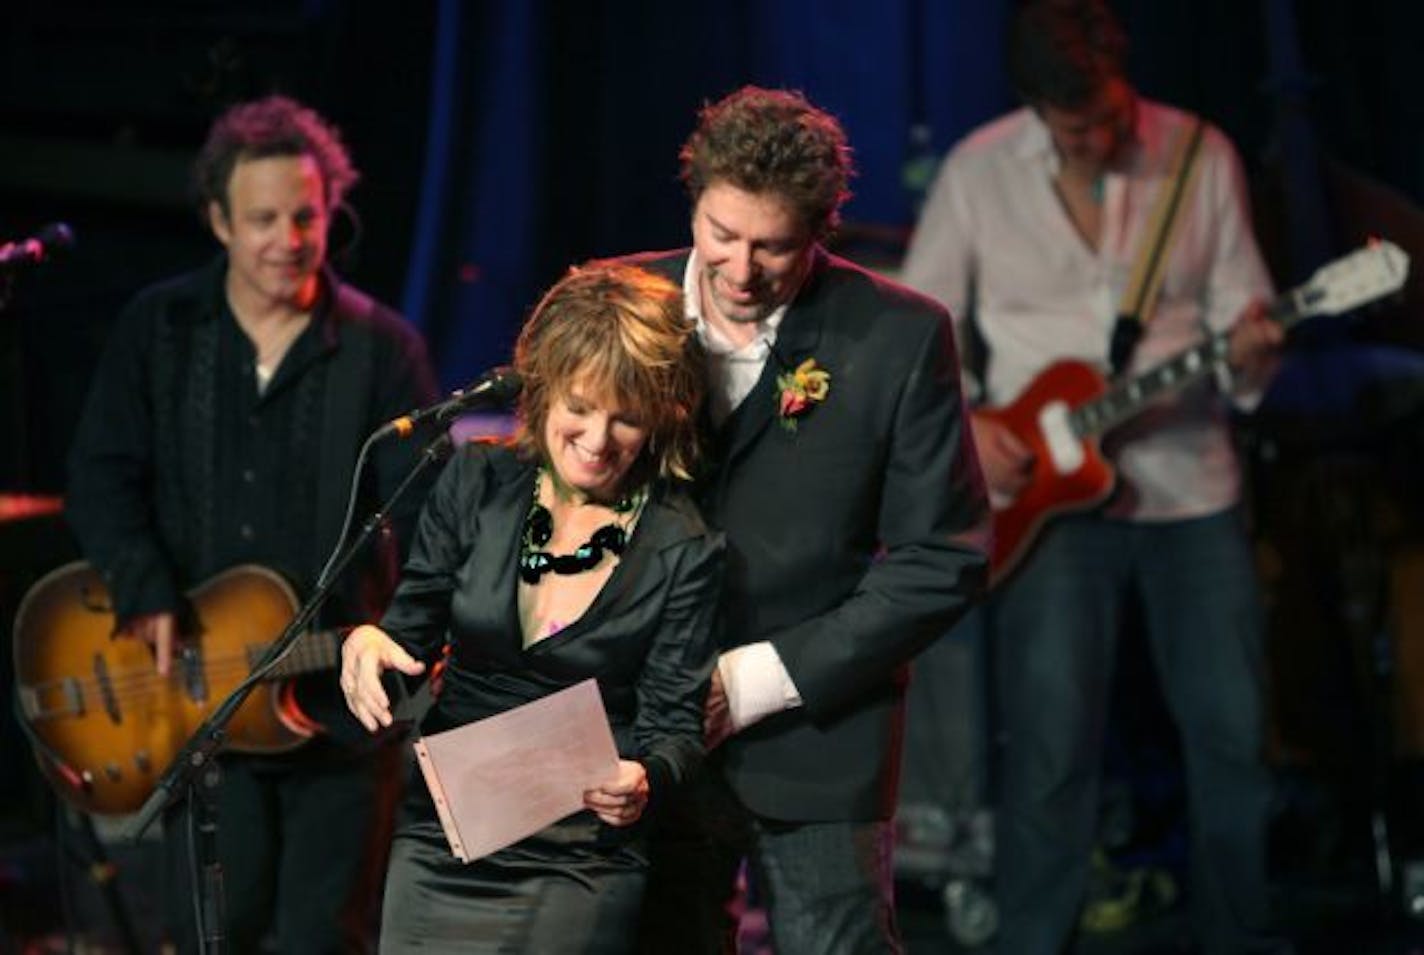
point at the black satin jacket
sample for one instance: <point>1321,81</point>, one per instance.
<point>647,637</point>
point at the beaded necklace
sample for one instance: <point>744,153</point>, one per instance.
<point>539,529</point>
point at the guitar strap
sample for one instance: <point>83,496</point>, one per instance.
<point>1139,298</point>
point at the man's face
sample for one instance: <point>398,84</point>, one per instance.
<point>1090,139</point>
<point>753,249</point>
<point>274,231</point>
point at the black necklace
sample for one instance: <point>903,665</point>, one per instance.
<point>539,528</point>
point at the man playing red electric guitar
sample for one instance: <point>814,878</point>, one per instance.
<point>1036,220</point>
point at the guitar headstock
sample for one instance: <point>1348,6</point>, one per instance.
<point>1370,272</point>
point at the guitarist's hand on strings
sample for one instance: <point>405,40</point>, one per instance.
<point>1253,347</point>
<point>156,630</point>
<point>1006,461</point>
<point>365,655</point>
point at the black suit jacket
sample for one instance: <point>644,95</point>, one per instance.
<point>853,541</point>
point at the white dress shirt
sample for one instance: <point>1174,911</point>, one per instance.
<point>753,677</point>
<point>994,236</point>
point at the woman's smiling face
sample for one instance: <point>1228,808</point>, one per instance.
<point>592,441</point>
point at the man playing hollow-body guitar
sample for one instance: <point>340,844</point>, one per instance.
<point>222,428</point>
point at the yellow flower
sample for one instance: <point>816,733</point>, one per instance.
<point>799,390</point>
<point>814,382</point>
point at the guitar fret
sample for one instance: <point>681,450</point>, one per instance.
<point>1124,400</point>
<point>1083,476</point>
<point>314,650</point>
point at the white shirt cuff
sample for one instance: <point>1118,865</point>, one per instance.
<point>756,684</point>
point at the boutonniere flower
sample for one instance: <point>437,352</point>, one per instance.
<point>800,390</point>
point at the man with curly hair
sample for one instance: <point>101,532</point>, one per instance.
<point>854,511</point>
<point>222,429</point>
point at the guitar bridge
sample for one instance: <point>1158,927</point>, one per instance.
<point>49,701</point>
<point>106,688</point>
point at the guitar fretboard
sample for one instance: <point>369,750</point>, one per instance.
<point>1127,398</point>
<point>314,650</point>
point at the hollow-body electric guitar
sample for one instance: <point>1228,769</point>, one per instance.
<point>105,725</point>
<point>1068,406</point>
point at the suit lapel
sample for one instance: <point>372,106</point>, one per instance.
<point>640,572</point>
<point>501,526</point>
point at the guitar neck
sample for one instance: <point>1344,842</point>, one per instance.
<point>1125,399</point>
<point>313,651</point>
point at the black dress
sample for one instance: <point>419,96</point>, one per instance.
<point>647,638</point>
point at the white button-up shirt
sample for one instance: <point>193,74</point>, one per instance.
<point>994,237</point>
<point>753,677</point>
<point>734,371</point>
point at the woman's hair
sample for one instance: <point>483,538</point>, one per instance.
<point>621,333</point>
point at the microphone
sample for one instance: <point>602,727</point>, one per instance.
<point>498,386</point>
<point>51,240</point>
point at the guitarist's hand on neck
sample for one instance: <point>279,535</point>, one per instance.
<point>1253,347</point>
<point>156,630</point>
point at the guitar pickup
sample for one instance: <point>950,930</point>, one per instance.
<point>106,688</point>
<point>195,681</point>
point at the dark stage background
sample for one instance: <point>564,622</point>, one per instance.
<point>502,140</point>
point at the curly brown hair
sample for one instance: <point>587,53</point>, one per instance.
<point>772,141</point>
<point>273,126</point>
<point>621,332</point>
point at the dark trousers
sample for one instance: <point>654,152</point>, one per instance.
<point>1055,627</point>
<point>302,841</point>
<point>827,887</point>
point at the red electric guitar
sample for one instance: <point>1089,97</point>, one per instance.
<point>1066,409</point>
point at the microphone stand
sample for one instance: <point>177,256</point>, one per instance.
<point>196,772</point>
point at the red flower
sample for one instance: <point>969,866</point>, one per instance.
<point>800,390</point>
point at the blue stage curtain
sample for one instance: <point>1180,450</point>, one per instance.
<point>554,128</point>
<point>554,131</point>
